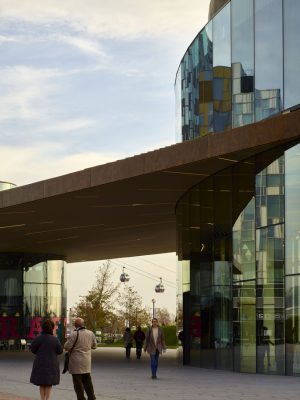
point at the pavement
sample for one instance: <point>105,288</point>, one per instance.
<point>116,378</point>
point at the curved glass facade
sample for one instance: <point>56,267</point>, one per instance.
<point>32,287</point>
<point>236,72</point>
<point>238,231</point>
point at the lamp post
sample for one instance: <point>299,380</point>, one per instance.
<point>153,308</point>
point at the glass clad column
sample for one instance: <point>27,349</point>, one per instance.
<point>270,268</point>
<point>244,290</point>
<point>268,58</point>
<point>206,80</point>
<point>222,70</point>
<point>242,62</point>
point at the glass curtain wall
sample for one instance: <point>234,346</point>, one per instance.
<point>242,67</point>
<point>31,288</point>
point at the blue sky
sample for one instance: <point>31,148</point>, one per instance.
<point>88,81</point>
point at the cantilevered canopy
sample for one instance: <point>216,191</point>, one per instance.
<point>127,208</point>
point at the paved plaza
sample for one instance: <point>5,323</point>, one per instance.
<point>116,378</point>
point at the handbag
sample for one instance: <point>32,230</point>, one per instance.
<point>67,356</point>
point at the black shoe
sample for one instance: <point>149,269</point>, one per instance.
<point>154,377</point>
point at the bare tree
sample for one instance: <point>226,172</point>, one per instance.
<point>98,306</point>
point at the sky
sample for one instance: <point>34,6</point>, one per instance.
<point>87,82</point>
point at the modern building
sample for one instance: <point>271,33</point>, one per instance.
<point>239,229</point>
<point>32,287</point>
<point>226,199</point>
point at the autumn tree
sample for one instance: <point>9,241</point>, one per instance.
<point>97,308</point>
<point>164,317</point>
<point>132,310</point>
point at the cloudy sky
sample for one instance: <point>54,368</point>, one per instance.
<point>88,81</point>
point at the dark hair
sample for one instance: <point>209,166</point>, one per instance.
<point>48,326</point>
<point>127,329</point>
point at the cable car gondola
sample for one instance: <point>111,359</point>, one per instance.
<point>124,277</point>
<point>159,288</point>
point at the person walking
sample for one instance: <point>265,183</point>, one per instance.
<point>154,345</point>
<point>81,341</point>
<point>127,337</point>
<point>45,371</point>
<point>139,338</point>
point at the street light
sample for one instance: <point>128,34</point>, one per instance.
<point>153,308</point>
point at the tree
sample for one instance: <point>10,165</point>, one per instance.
<point>97,307</point>
<point>163,316</point>
<point>132,310</point>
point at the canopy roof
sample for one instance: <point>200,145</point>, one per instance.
<point>127,208</point>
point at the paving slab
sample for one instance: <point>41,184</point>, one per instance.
<point>116,378</point>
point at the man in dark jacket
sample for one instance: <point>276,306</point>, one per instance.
<point>139,338</point>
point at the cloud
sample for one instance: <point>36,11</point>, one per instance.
<point>83,44</point>
<point>114,18</point>
<point>5,39</point>
<point>43,161</point>
<point>24,91</point>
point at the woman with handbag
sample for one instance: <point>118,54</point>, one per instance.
<point>154,345</point>
<point>45,370</point>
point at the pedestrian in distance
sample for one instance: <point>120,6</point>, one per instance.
<point>45,371</point>
<point>127,337</point>
<point>81,342</point>
<point>139,338</point>
<point>154,345</point>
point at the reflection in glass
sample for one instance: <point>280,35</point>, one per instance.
<point>31,288</point>
<point>270,194</point>
<point>291,53</point>
<point>268,58</point>
<point>292,198</point>
<point>270,299</point>
<point>244,326</point>
<point>242,62</point>
<point>243,232</point>
<point>206,80</point>
<point>222,70</point>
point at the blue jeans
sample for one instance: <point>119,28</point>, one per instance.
<point>154,362</point>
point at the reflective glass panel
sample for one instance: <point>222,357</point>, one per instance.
<point>291,53</point>
<point>55,271</point>
<point>36,273</point>
<point>244,266</point>
<point>244,326</point>
<point>242,62</point>
<point>222,70</point>
<point>178,107</point>
<point>270,194</point>
<point>270,300</point>
<point>206,80</point>
<point>268,58</point>
<point>190,92</point>
<point>292,210</point>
